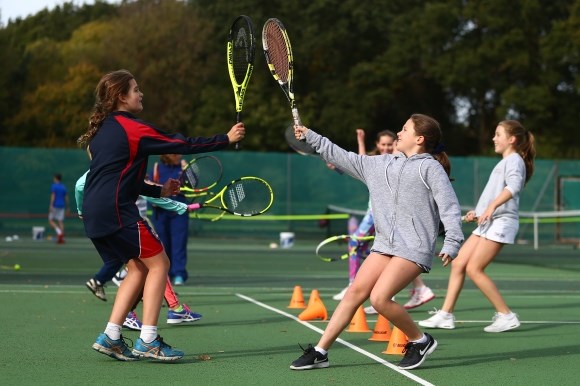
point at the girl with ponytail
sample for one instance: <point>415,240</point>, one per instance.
<point>497,216</point>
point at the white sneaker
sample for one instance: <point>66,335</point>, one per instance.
<point>419,297</point>
<point>440,319</point>
<point>503,322</point>
<point>340,295</point>
<point>370,310</point>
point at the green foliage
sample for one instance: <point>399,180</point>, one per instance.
<point>366,64</point>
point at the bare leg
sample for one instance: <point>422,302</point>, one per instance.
<point>356,294</point>
<point>128,292</point>
<point>487,250</point>
<point>149,274</point>
<point>457,275</point>
<point>395,276</point>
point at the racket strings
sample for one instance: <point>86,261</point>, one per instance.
<point>241,52</point>
<point>202,173</point>
<point>247,197</point>
<point>190,178</point>
<point>277,51</point>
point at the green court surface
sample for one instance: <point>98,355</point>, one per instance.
<point>248,336</point>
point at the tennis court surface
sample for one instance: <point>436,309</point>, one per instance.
<point>248,336</point>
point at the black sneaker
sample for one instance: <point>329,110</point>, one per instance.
<point>415,353</point>
<point>311,359</point>
<point>97,289</point>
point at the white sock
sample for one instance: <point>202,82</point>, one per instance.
<point>420,289</point>
<point>321,350</point>
<point>122,273</point>
<point>113,331</point>
<point>58,231</point>
<point>423,339</point>
<point>148,333</point>
<point>445,313</point>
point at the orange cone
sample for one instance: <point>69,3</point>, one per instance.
<point>359,321</point>
<point>396,343</point>
<point>297,300</point>
<point>315,308</point>
<point>382,330</point>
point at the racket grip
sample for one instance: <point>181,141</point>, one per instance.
<point>192,207</point>
<point>237,145</point>
<point>297,121</point>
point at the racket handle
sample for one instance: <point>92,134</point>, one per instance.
<point>192,207</point>
<point>237,145</point>
<point>297,121</point>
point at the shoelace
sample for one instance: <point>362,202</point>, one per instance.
<point>409,347</point>
<point>435,310</point>
<point>125,343</point>
<point>307,349</point>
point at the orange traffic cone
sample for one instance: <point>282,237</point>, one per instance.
<point>382,330</point>
<point>297,300</point>
<point>315,308</point>
<point>397,342</point>
<point>359,321</point>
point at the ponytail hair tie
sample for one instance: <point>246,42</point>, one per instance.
<point>439,148</point>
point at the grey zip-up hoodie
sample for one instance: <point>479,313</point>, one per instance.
<point>409,197</point>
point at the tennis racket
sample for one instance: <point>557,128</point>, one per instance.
<point>332,249</point>
<point>200,175</point>
<point>246,196</point>
<point>280,60</point>
<point>241,51</point>
<point>300,147</point>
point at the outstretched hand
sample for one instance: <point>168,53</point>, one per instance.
<point>300,131</point>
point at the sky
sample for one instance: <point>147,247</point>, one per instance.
<point>11,9</point>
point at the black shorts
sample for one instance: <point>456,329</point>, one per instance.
<point>134,241</point>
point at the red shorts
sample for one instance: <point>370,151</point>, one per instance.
<point>133,241</point>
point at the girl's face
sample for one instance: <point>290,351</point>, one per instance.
<point>132,101</point>
<point>503,143</point>
<point>407,138</point>
<point>385,144</point>
<point>174,159</point>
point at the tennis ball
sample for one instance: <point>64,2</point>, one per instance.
<point>273,245</point>
<point>17,267</point>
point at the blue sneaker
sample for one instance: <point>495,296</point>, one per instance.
<point>178,280</point>
<point>132,322</point>
<point>157,349</point>
<point>114,348</point>
<point>185,315</point>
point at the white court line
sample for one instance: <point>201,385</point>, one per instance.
<point>339,340</point>
<point>487,321</point>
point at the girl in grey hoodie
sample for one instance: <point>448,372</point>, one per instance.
<point>410,193</point>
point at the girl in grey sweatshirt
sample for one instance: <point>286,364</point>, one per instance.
<point>410,194</point>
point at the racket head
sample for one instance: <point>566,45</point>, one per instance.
<point>278,53</point>
<point>241,48</point>
<point>333,248</point>
<point>300,147</point>
<point>200,175</point>
<point>247,196</point>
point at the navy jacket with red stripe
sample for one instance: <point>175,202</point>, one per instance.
<point>119,163</point>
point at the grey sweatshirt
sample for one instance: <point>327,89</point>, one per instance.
<point>409,197</point>
<point>510,174</point>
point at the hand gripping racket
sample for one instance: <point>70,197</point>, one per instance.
<point>241,49</point>
<point>280,60</point>
<point>200,175</point>
<point>332,249</point>
<point>246,196</point>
